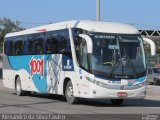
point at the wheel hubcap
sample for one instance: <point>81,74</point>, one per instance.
<point>70,92</point>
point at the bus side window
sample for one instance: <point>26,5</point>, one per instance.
<point>58,42</point>
<point>38,46</point>
<point>30,47</point>
<point>24,46</point>
<point>39,43</point>
<point>51,45</point>
<point>18,46</point>
<point>6,47</point>
<point>78,42</point>
<point>29,44</point>
<point>83,54</point>
<point>64,42</point>
<point>11,48</point>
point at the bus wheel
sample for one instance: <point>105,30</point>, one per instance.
<point>18,87</point>
<point>117,101</point>
<point>69,94</point>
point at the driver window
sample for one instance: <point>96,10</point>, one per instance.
<point>81,51</point>
<point>80,48</point>
<point>83,54</point>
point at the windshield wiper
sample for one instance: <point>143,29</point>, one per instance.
<point>117,65</point>
<point>113,68</point>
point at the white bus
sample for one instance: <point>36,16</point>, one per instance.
<point>77,59</point>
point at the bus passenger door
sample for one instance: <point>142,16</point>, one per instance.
<point>53,72</point>
<point>82,58</point>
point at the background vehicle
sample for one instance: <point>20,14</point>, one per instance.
<point>153,76</point>
<point>77,59</point>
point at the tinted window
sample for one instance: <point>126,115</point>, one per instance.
<point>62,43</point>
<point>6,47</point>
<point>30,44</point>
<point>25,47</point>
<point>58,42</point>
<point>14,46</point>
<point>35,43</point>
<point>80,46</point>
<point>39,43</point>
<point>55,42</point>
<point>11,48</point>
<point>18,47</point>
<point>51,44</point>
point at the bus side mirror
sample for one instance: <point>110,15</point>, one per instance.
<point>88,42</point>
<point>152,45</point>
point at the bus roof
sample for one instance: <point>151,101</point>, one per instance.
<point>95,26</point>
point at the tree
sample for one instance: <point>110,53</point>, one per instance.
<point>7,26</point>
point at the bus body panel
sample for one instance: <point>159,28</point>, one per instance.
<point>107,88</point>
<point>102,93</point>
<point>8,73</point>
<point>39,73</point>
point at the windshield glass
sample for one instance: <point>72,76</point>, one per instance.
<point>117,56</point>
<point>114,56</point>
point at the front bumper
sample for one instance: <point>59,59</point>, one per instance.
<point>102,93</point>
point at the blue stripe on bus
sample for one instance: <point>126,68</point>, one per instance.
<point>23,62</point>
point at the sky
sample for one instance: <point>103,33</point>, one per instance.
<point>144,14</point>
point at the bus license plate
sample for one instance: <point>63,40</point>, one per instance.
<point>122,94</point>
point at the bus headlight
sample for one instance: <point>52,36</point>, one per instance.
<point>116,87</point>
<point>90,80</point>
<point>97,82</point>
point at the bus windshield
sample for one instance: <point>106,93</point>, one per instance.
<point>114,56</point>
<point>117,56</point>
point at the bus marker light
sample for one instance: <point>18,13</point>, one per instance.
<point>122,94</point>
<point>42,30</point>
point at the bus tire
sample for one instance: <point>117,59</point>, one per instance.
<point>18,88</point>
<point>117,102</point>
<point>69,94</point>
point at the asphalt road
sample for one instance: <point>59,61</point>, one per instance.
<point>95,109</point>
